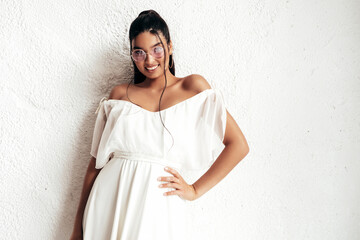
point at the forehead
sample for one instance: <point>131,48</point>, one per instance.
<point>147,40</point>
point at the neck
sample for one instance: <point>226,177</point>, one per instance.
<point>158,83</point>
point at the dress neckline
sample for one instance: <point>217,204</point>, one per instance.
<point>166,109</point>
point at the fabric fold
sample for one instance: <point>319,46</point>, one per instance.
<point>98,128</point>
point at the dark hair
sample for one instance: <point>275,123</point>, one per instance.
<point>151,21</point>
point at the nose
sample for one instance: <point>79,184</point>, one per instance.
<point>149,58</point>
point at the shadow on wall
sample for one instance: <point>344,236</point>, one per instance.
<point>111,69</point>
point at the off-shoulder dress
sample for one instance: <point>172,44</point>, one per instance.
<point>132,147</point>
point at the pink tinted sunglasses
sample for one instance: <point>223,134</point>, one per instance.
<point>139,55</point>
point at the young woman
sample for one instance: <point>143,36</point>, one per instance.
<point>157,121</point>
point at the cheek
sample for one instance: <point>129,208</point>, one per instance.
<point>139,66</point>
<point>163,61</point>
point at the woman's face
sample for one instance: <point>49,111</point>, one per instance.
<point>149,42</point>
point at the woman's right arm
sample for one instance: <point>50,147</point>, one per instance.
<point>89,180</point>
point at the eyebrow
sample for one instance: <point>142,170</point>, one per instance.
<point>136,47</point>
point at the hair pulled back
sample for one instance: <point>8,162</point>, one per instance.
<point>150,21</point>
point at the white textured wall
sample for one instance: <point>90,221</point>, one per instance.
<point>290,74</point>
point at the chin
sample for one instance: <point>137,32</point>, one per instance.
<point>153,76</point>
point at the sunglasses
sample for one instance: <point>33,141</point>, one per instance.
<point>139,55</point>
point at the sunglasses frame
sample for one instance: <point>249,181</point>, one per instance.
<point>151,53</point>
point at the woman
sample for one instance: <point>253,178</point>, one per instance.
<point>189,131</point>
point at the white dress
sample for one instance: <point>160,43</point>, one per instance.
<point>132,147</point>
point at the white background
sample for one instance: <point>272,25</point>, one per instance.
<point>290,74</point>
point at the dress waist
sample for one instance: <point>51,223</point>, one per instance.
<point>139,156</point>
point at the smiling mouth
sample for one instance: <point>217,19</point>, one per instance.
<point>152,68</point>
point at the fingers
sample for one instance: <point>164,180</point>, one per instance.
<point>169,179</point>
<point>175,192</point>
<point>175,181</point>
<point>172,171</point>
<point>170,185</point>
<point>177,177</point>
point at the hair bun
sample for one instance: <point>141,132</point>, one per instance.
<point>149,12</point>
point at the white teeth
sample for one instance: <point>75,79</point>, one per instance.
<point>152,68</point>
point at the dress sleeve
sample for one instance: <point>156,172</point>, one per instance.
<point>215,114</point>
<point>99,127</point>
<point>208,137</point>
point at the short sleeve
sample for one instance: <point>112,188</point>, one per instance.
<point>99,127</point>
<point>215,114</point>
<point>208,136</point>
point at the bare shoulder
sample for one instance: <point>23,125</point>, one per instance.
<point>118,91</point>
<point>196,82</point>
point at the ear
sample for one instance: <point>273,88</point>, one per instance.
<point>170,48</point>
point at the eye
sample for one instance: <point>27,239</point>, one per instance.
<point>138,52</point>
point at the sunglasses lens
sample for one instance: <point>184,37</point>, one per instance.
<point>158,52</point>
<point>138,55</point>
